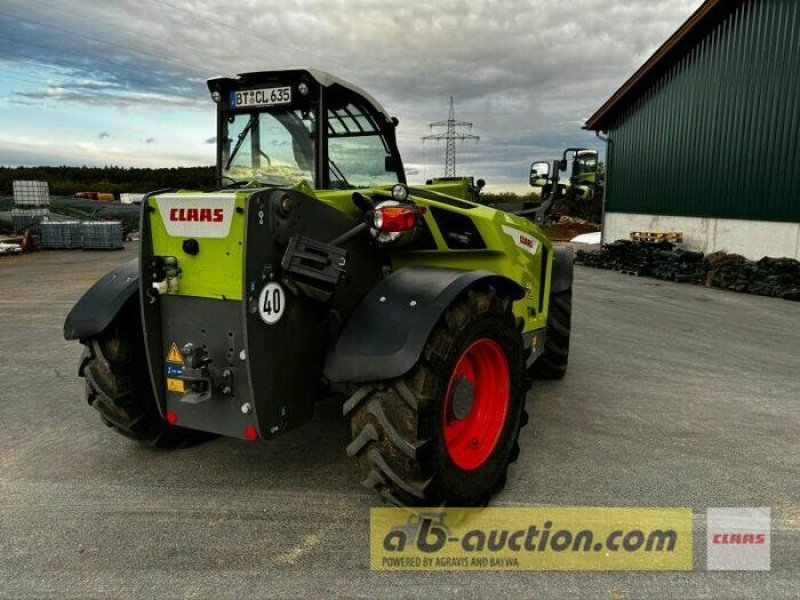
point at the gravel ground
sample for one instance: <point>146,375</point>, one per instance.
<point>676,396</point>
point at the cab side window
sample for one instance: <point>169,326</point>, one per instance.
<point>357,152</point>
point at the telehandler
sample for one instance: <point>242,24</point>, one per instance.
<point>577,192</point>
<point>315,268</point>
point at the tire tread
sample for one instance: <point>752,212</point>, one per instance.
<point>552,364</point>
<point>118,387</point>
<point>388,442</point>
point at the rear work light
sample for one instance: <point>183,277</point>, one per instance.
<point>393,219</point>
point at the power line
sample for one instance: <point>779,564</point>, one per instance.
<point>450,136</point>
<point>117,45</point>
<point>102,41</point>
<point>137,33</point>
<point>41,61</point>
<point>24,62</point>
<point>241,30</point>
<point>99,94</point>
<point>4,76</point>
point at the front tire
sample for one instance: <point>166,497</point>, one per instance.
<point>118,385</point>
<point>446,432</point>
<point>552,364</point>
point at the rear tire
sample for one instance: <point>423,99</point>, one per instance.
<point>552,364</point>
<point>402,429</point>
<point>118,385</point>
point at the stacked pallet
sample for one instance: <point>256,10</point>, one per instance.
<point>657,236</point>
<point>778,277</point>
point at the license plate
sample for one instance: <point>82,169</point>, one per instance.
<point>262,97</point>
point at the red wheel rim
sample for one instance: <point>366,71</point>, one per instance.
<point>476,404</point>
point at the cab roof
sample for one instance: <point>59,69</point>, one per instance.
<point>323,78</point>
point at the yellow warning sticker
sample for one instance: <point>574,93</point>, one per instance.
<point>174,355</point>
<point>175,385</point>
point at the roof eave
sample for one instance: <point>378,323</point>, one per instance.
<point>696,26</point>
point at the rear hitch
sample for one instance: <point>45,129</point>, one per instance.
<point>201,377</point>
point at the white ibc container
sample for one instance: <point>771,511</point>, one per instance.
<point>31,194</point>
<point>63,235</point>
<point>28,217</point>
<point>101,235</point>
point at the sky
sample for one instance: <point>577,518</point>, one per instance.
<point>97,82</point>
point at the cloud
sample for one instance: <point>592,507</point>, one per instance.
<point>527,73</point>
<point>103,135</point>
<point>109,94</point>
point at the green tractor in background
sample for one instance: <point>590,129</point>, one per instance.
<point>580,196</point>
<point>315,269</point>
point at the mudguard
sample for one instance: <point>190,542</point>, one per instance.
<point>101,303</point>
<point>563,268</point>
<point>386,333</point>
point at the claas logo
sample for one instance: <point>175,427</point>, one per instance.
<point>526,241</point>
<point>199,215</point>
<point>739,538</point>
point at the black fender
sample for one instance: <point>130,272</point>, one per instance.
<point>101,303</point>
<point>385,334</point>
<point>563,269</point>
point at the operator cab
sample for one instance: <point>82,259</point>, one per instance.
<point>281,127</point>
<point>584,166</point>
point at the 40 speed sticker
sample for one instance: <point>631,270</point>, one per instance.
<point>271,303</point>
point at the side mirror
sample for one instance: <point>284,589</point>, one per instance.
<point>539,170</point>
<point>475,190</point>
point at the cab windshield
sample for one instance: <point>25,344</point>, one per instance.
<point>272,148</point>
<point>278,148</point>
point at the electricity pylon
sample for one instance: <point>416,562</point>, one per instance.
<point>451,135</point>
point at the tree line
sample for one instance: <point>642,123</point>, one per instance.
<point>65,181</point>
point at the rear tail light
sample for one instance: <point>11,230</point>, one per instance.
<point>393,219</point>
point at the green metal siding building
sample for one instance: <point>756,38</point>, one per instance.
<point>705,137</point>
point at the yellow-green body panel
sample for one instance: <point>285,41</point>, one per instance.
<point>216,272</point>
<point>501,255</point>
